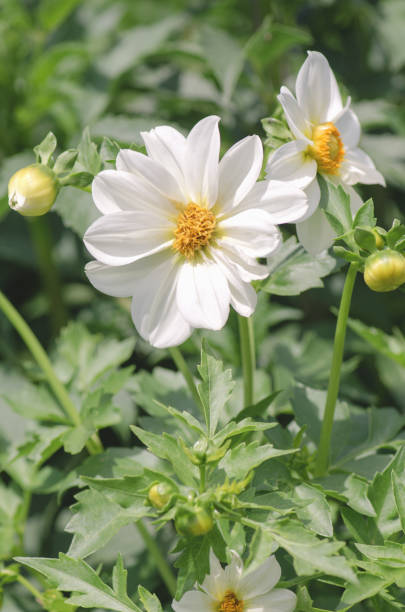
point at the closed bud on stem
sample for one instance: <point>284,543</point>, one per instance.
<point>384,270</point>
<point>159,495</point>
<point>195,522</point>
<point>33,190</point>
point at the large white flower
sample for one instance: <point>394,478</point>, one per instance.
<point>181,231</point>
<point>232,590</point>
<point>326,135</point>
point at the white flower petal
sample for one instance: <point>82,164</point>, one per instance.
<point>238,171</point>
<point>243,296</point>
<point>166,145</point>
<point>315,233</point>
<point>358,167</point>
<point>349,129</point>
<point>296,119</point>
<point>278,600</point>
<point>252,232</point>
<point>117,281</point>
<point>317,90</point>
<point>284,202</point>
<point>123,237</point>
<point>153,172</point>
<point>203,295</point>
<point>233,574</point>
<point>262,579</point>
<point>201,162</point>
<point>290,163</point>
<point>247,267</point>
<point>193,600</point>
<point>154,306</point>
<point>313,194</point>
<point>113,191</point>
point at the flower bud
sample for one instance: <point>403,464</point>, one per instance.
<point>385,270</point>
<point>33,190</point>
<point>194,522</point>
<point>159,495</point>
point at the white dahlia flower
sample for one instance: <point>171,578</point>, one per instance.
<point>232,590</point>
<point>326,141</point>
<point>180,231</point>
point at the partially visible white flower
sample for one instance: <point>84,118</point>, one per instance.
<point>233,590</point>
<point>181,231</point>
<point>326,141</point>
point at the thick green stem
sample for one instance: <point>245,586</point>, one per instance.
<point>37,594</point>
<point>94,445</point>
<point>43,244</point>
<point>164,568</point>
<point>188,377</point>
<point>247,349</point>
<point>322,459</point>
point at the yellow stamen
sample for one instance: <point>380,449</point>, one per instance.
<point>231,603</point>
<point>327,150</point>
<point>195,226</point>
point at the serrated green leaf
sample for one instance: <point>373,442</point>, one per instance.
<point>381,495</point>
<point>365,215</point>
<point>238,461</point>
<point>392,346</point>
<point>293,270</point>
<point>96,519</point>
<point>150,602</point>
<point>317,514</point>
<point>34,402</point>
<point>167,447</point>
<point>215,389</point>
<point>320,554</point>
<point>356,490</point>
<point>399,496</point>
<point>76,209</point>
<point>336,204</point>
<point>367,586</point>
<point>69,574</point>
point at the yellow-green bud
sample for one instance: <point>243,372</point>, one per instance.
<point>33,190</point>
<point>159,495</point>
<point>384,270</point>
<point>195,523</point>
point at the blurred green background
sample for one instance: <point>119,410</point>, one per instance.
<point>122,66</point>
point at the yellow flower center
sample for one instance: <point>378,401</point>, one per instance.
<point>231,603</point>
<point>195,226</point>
<point>327,150</point>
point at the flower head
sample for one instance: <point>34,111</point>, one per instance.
<point>180,230</point>
<point>326,137</point>
<point>233,590</point>
<point>32,190</point>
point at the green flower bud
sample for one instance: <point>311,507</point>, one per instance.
<point>33,190</point>
<point>194,522</point>
<point>159,495</point>
<point>384,270</point>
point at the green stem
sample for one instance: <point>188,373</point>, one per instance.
<point>37,594</point>
<point>94,445</point>
<point>188,377</point>
<point>202,477</point>
<point>322,459</point>
<point>164,568</point>
<point>42,240</point>
<point>247,349</point>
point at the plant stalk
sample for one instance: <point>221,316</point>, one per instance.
<point>94,444</point>
<point>322,459</point>
<point>164,568</point>
<point>42,242</point>
<point>248,358</point>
